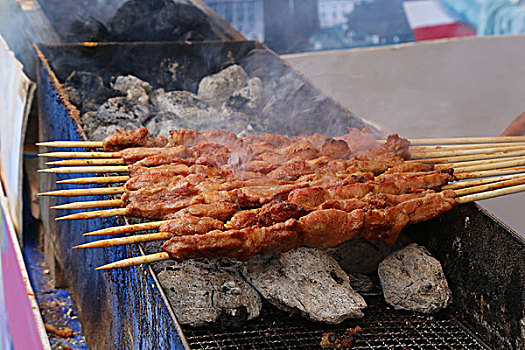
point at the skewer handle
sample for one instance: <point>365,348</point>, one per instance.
<point>72,144</point>
<point>136,261</point>
<point>462,140</point>
<point>87,169</point>
<point>490,194</point>
<point>113,242</point>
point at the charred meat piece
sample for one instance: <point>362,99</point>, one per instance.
<point>346,340</point>
<point>237,244</point>
<point>191,225</point>
<point>132,138</point>
<point>267,215</point>
<point>320,228</point>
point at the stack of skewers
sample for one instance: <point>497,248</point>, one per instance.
<point>212,194</point>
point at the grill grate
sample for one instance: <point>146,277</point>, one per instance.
<point>383,328</point>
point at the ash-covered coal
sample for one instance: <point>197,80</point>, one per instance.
<point>205,291</point>
<point>227,100</point>
<point>414,280</point>
<point>152,20</point>
<point>306,280</point>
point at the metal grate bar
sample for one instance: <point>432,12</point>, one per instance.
<point>383,329</point>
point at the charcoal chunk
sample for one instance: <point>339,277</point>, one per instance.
<point>413,280</point>
<point>217,88</point>
<point>98,129</point>
<point>87,29</point>
<point>308,281</point>
<point>133,88</point>
<point>361,256</point>
<point>209,291</point>
<point>122,109</point>
<point>159,20</point>
<point>86,90</point>
<point>184,105</point>
<point>249,99</point>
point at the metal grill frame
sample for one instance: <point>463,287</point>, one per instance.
<point>483,260</point>
<point>383,329</point>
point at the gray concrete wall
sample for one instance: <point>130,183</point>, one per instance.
<point>447,88</point>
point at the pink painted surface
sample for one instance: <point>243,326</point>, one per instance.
<point>20,317</point>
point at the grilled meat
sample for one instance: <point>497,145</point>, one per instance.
<point>321,228</point>
<point>133,138</point>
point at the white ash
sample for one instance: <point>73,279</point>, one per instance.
<point>184,105</point>
<point>99,129</point>
<point>133,88</point>
<point>217,88</point>
<point>209,291</point>
<point>414,280</point>
<point>308,281</point>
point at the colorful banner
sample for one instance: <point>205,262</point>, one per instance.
<point>21,325</point>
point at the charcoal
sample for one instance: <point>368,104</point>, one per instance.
<point>133,88</point>
<point>87,29</point>
<point>119,109</point>
<point>217,88</point>
<point>249,99</point>
<point>86,90</point>
<point>97,129</point>
<point>413,280</point>
<point>184,105</point>
<point>132,20</point>
<point>361,256</point>
<point>209,292</point>
<point>158,20</point>
<point>182,22</point>
<point>308,281</point>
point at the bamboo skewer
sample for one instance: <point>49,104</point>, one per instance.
<point>95,214</point>
<point>87,169</point>
<point>85,192</point>
<point>488,173</point>
<point>136,261</point>
<point>476,162</point>
<point>491,186</point>
<point>95,180</point>
<point>463,184</point>
<point>72,144</point>
<point>421,149</point>
<point>490,194</point>
<point>77,162</point>
<point>127,228</point>
<point>428,141</point>
<point>464,152</point>
<point>113,242</point>
<point>90,204</point>
<point>469,157</point>
<point>80,155</point>
<point>462,174</point>
<point>497,165</point>
<point>464,140</point>
<point>113,157</point>
<point>111,165</point>
<point>483,194</point>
